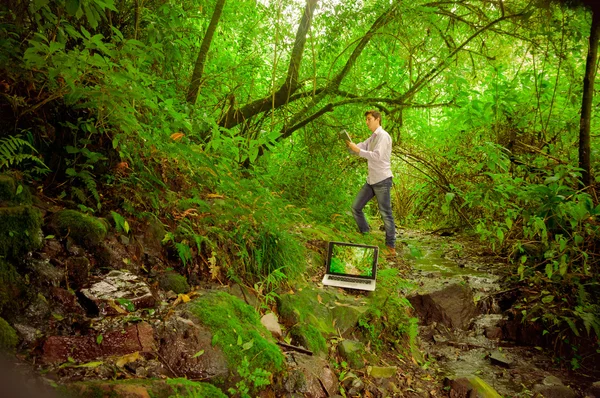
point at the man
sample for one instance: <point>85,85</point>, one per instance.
<point>377,149</point>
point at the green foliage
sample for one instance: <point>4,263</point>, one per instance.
<point>193,389</point>
<point>120,223</point>
<point>12,154</point>
<point>82,228</point>
<point>387,320</point>
<point>8,337</point>
<point>252,379</point>
<point>236,328</point>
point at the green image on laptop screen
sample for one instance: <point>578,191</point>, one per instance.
<point>351,260</point>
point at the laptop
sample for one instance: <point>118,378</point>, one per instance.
<point>351,266</point>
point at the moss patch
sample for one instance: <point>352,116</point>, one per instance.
<point>11,285</point>
<point>173,281</point>
<point>8,337</point>
<point>236,328</point>
<point>8,188</point>
<point>171,388</point>
<point>310,337</point>
<point>21,230</point>
<point>82,228</point>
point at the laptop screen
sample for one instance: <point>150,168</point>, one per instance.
<point>352,259</point>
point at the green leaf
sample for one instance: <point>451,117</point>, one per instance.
<point>199,353</point>
<point>549,269</point>
<point>248,345</point>
<point>127,304</point>
<point>58,317</point>
<point>99,339</point>
<point>547,299</point>
<point>239,340</point>
<point>72,6</point>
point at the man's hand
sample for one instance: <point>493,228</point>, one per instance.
<point>353,147</point>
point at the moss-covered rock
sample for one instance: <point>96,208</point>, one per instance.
<point>12,193</point>
<point>140,388</point>
<point>8,188</point>
<point>82,228</point>
<point>11,284</point>
<point>237,330</point>
<point>310,337</point>
<point>21,230</point>
<point>173,281</point>
<point>8,337</point>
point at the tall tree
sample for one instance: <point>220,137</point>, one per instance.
<point>192,94</point>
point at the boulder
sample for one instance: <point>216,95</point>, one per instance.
<point>186,347</point>
<point>452,305</point>
<point>119,288</point>
<point>271,322</point>
<point>309,376</point>
<point>174,282</point>
<point>593,390</point>
<point>78,271</point>
<point>352,352</point>
<point>84,229</point>
<point>21,230</point>
<point>119,342</point>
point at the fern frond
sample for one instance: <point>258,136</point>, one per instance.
<point>11,154</point>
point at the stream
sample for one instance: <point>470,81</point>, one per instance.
<point>478,349</point>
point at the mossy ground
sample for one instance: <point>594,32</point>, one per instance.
<point>12,193</point>
<point>82,228</point>
<point>8,337</point>
<point>20,231</point>
<point>236,328</point>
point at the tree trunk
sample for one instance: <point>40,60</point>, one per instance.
<point>281,97</point>
<point>586,103</point>
<point>192,94</point>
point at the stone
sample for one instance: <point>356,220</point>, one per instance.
<point>78,271</point>
<point>382,372</point>
<point>452,305</point>
<point>84,229</point>
<point>27,334</point>
<point>310,376</point>
<point>352,352</point>
<point>186,347</point>
<point>271,322</point>
<point>119,286</point>
<point>65,303</point>
<point>118,342</point>
<point>174,282</point>
<point>500,359</point>
<point>554,391</point>
<point>111,253</point>
<point>21,230</point>
<point>493,332</point>
<point>552,381</point>
<point>593,390</point>
<point>245,294</point>
<point>470,387</point>
<point>44,275</point>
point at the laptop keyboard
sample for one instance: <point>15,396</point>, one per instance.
<point>352,280</point>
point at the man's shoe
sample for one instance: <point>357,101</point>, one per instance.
<point>389,252</point>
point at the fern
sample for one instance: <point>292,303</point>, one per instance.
<point>11,154</point>
<point>88,180</point>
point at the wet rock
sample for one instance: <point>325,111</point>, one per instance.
<point>43,274</point>
<point>119,286</point>
<point>382,372</point>
<point>65,302</point>
<point>554,391</point>
<point>186,346</point>
<point>111,253</point>
<point>118,342</point>
<point>271,322</point>
<point>37,312</point>
<point>500,359</point>
<point>470,387</point>
<point>52,249</point>
<point>27,334</point>
<point>593,391</point>
<point>352,352</point>
<point>245,294</point>
<point>153,232</point>
<point>493,332</point>
<point>309,376</point>
<point>452,306</point>
<point>78,271</point>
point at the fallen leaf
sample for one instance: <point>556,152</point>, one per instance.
<point>177,136</point>
<point>184,297</point>
<point>117,308</point>
<point>319,299</point>
<point>199,353</point>
<point>125,359</point>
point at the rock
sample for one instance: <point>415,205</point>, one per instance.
<point>187,347</point>
<point>139,389</point>
<point>593,391</point>
<point>51,250</point>
<point>500,359</point>
<point>11,286</point>
<point>493,332</point>
<point>309,376</point>
<point>8,188</point>
<point>345,317</point>
<point>8,337</point>
<point>245,294</point>
<point>65,303</point>
<point>84,229</point>
<point>382,372</point>
<point>43,274</point>
<point>271,322</point>
<point>134,338</point>
<point>554,391</point>
<point>119,286</point>
<point>27,334</point>
<point>452,306</point>
<point>21,230</point>
<point>352,352</point>
<point>174,282</point>
<point>470,387</point>
<point>113,254</point>
<point>552,381</point>
<point>78,271</point>
<point>151,237</point>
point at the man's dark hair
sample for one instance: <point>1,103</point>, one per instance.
<point>376,115</point>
